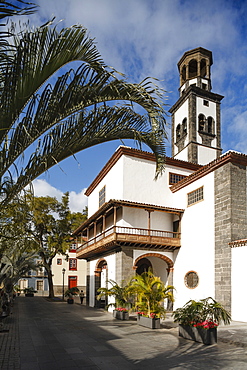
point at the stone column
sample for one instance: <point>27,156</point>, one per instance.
<point>230,224</point>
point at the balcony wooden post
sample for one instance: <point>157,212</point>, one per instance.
<point>115,218</point>
<point>103,225</point>
<point>149,221</point>
<point>94,229</point>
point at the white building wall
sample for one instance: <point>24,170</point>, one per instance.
<point>239,277</point>
<point>132,179</point>
<point>180,114</point>
<point>81,271</point>
<point>111,272</point>
<point>138,218</point>
<point>113,181</point>
<point>183,155</point>
<point>197,243</point>
<point>206,154</point>
<point>139,184</point>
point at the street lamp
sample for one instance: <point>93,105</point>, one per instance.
<point>63,272</point>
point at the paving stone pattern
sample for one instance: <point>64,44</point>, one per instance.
<point>55,335</point>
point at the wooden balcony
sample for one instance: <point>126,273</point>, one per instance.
<point>118,236</point>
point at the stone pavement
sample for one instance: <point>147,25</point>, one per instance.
<point>54,335</point>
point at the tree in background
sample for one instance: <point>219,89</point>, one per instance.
<point>83,107</point>
<point>35,227</point>
<point>49,225</point>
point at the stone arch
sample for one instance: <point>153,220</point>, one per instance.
<point>158,255</point>
<point>210,122</point>
<point>203,68</point>
<point>201,122</point>
<point>193,68</point>
<point>143,264</point>
<point>183,74</point>
<point>100,266</point>
<point>178,132</point>
<point>101,263</point>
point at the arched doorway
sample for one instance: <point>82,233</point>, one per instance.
<point>143,265</point>
<point>101,277</point>
<point>161,265</point>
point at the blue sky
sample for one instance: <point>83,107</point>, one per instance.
<point>147,38</point>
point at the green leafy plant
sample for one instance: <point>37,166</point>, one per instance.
<point>71,292</point>
<point>120,293</point>
<point>29,290</point>
<point>150,293</point>
<point>204,313</point>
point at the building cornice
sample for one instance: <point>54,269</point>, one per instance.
<point>199,50</point>
<point>228,157</point>
<point>238,243</point>
<point>122,150</point>
<point>199,93</point>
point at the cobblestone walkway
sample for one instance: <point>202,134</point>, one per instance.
<point>9,342</point>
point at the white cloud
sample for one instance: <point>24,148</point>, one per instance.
<point>77,201</point>
<point>43,189</point>
<point>147,38</point>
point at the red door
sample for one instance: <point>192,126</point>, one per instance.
<point>72,281</point>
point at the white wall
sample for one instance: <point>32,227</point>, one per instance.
<point>239,279</point>
<point>140,185</point>
<point>81,271</point>
<point>114,187</point>
<point>111,266</point>
<point>197,243</point>
<point>206,154</point>
<point>132,179</point>
<point>138,218</point>
<point>180,114</point>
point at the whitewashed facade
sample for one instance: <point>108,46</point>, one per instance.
<point>187,224</point>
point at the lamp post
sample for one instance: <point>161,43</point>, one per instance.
<point>63,272</point>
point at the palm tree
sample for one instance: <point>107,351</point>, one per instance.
<point>150,293</point>
<point>70,112</point>
<point>118,292</point>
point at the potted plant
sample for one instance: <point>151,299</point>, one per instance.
<point>198,320</point>
<point>17,289</point>
<point>70,293</point>
<point>122,297</point>
<point>150,293</point>
<point>29,292</point>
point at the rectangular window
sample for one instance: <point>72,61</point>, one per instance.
<point>174,178</point>
<point>195,196</point>
<point>40,285</point>
<point>72,247</point>
<point>102,196</point>
<point>206,102</point>
<point>73,264</point>
<point>59,261</point>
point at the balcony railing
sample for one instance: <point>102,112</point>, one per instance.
<point>132,235</point>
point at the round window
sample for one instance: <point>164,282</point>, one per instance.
<point>191,279</point>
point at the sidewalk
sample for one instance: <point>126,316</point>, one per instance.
<point>46,335</point>
<point>235,333</point>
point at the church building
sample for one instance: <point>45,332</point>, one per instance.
<point>189,226</point>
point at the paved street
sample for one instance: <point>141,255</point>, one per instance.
<point>54,335</point>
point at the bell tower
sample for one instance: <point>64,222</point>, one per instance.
<point>196,114</point>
